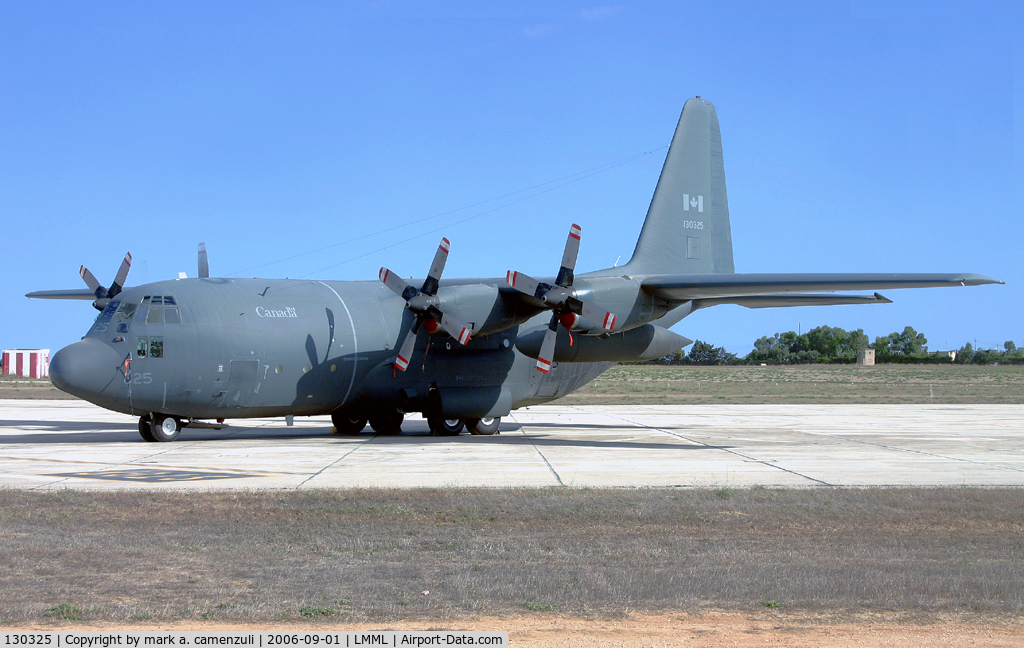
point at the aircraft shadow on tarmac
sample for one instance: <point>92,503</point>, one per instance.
<point>53,432</point>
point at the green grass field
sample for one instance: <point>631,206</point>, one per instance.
<point>851,384</point>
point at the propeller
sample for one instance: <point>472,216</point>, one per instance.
<point>104,295</point>
<point>204,263</point>
<point>425,304</point>
<point>561,299</point>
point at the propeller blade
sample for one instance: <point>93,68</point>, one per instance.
<point>204,263</point>
<point>455,328</point>
<point>436,268</point>
<point>402,361</point>
<point>598,316</point>
<point>90,281</point>
<point>572,250</point>
<point>547,348</point>
<point>523,283</point>
<point>122,274</point>
<point>396,284</point>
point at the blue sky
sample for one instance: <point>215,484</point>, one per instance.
<point>324,140</point>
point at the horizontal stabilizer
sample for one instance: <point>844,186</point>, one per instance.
<point>779,301</point>
<point>681,288</point>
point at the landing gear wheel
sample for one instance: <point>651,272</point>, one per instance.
<point>387,421</point>
<point>486,426</point>
<point>348,422</point>
<point>165,428</point>
<point>445,427</point>
<point>146,428</point>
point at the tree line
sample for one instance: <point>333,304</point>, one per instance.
<point>834,345</point>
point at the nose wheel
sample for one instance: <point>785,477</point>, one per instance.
<point>145,425</point>
<point>159,428</point>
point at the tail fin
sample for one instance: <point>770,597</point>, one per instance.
<point>687,227</point>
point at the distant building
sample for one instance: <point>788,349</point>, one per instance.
<point>866,356</point>
<point>30,363</point>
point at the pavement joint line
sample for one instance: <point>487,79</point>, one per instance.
<point>522,430</point>
<point>910,450</point>
<point>336,461</point>
<point>706,445</point>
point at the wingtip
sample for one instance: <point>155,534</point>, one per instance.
<point>979,280</point>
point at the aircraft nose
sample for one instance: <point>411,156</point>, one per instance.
<point>84,368</point>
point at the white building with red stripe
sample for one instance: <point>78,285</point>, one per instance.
<point>30,363</point>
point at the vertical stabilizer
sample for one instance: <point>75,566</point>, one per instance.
<point>687,226</point>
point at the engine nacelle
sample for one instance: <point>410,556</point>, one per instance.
<point>645,342</point>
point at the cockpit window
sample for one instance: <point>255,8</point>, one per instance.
<point>159,309</point>
<point>125,311</point>
<point>159,299</point>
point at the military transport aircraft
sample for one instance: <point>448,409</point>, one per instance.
<point>463,352</point>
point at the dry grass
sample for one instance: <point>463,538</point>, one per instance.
<point>17,387</point>
<point>379,555</point>
<point>881,384</point>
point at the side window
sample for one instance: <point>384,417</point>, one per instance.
<point>143,349</point>
<point>156,347</point>
<point>171,316</point>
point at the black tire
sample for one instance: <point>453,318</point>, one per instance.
<point>483,426</point>
<point>445,427</point>
<point>387,421</point>
<point>165,428</point>
<point>146,428</point>
<point>348,421</point>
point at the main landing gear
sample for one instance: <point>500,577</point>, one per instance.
<point>445,427</point>
<point>352,421</point>
<point>388,422</point>
<point>453,427</point>
<point>159,427</point>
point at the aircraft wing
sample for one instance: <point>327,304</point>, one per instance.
<point>82,293</point>
<point>680,288</point>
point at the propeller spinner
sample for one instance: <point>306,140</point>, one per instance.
<point>104,295</point>
<point>425,304</point>
<point>561,299</point>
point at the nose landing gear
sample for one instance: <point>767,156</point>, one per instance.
<point>159,427</point>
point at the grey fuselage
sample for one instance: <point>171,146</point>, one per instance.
<point>236,348</point>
